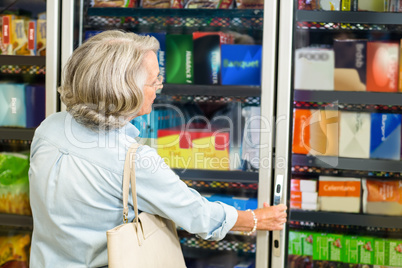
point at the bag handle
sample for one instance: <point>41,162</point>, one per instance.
<point>129,173</point>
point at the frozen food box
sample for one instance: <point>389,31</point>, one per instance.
<point>300,243</point>
<point>19,37</point>
<point>241,64</point>
<point>41,37</point>
<point>388,252</point>
<point>35,101</point>
<point>179,59</point>
<point>207,56</point>
<point>240,203</point>
<point>354,134</point>
<point>339,194</point>
<point>249,4</point>
<point>327,247</point>
<point>14,250</point>
<point>12,105</point>
<point>301,131</point>
<point>372,5</point>
<point>382,66</point>
<point>14,184</point>
<point>350,65</point>
<point>113,3</point>
<point>314,69</point>
<point>161,37</point>
<point>6,32</point>
<point>358,249</point>
<point>32,37</point>
<point>382,197</point>
<point>330,5</point>
<point>385,137</point>
<point>324,132</point>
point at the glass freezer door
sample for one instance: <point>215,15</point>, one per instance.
<point>339,134</point>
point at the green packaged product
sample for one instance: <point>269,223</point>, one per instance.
<point>14,184</point>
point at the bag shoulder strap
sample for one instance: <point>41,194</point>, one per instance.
<point>129,174</point>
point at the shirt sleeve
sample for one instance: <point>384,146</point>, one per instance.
<point>160,191</point>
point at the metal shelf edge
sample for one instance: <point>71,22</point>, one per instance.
<point>133,12</point>
<point>22,60</point>
<point>214,175</point>
<point>360,17</point>
<point>16,220</point>
<point>346,219</point>
<point>16,133</point>
<point>347,163</point>
<point>350,97</point>
<point>211,90</point>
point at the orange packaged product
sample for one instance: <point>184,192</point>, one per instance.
<point>113,3</point>
<point>382,197</point>
<point>301,131</point>
<point>6,31</point>
<point>324,133</point>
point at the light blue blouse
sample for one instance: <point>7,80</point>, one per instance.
<point>76,193</point>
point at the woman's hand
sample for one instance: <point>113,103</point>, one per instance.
<point>271,218</point>
<point>268,218</point>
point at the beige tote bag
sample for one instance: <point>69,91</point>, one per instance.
<point>150,241</point>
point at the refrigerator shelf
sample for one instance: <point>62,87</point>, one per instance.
<point>213,175</point>
<point>211,90</point>
<point>10,133</point>
<point>22,60</point>
<point>349,97</point>
<point>357,17</point>
<point>332,162</point>
<point>183,13</point>
<point>14,220</point>
<point>346,219</point>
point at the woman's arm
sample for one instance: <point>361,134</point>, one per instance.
<point>268,218</point>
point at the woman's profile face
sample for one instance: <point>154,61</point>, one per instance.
<point>152,68</point>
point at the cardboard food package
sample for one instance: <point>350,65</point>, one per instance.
<point>179,59</point>
<point>354,134</point>
<point>350,64</point>
<point>324,132</point>
<point>314,69</point>
<point>14,250</point>
<point>382,66</point>
<point>113,3</point>
<point>339,194</point>
<point>382,197</point>
<point>385,136</point>
<point>301,131</point>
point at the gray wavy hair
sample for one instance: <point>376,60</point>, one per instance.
<point>103,79</point>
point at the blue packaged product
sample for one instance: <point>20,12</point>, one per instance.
<point>35,105</point>
<point>385,136</point>
<point>241,64</point>
<point>12,105</point>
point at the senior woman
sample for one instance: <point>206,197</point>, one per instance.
<point>77,160</point>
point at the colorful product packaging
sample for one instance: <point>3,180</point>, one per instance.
<point>388,252</point>
<point>14,250</point>
<point>385,136</point>
<point>35,101</point>
<point>14,184</point>
<point>241,64</point>
<point>354,134</point>
<point>207,56</point>
<point>32,37</point>
<point>372,5</point>
<point>238,202</point>
<point>41,37</point>
<point>314,69</point>
<point>7,45</point>
<point>350,64</point>
<point>327,247</point>
<point>113,3</point>
<point>358,249</point>
<point>330,5</point>
<point>301,131</point>
<point>161,37</point>
<point>382,197</point>
<point>179,59</point>
<point>382,66</point>
<point>339,194</point>
<point>19,37</point>
<point>211,150</point>
<point>12,105</point>
<point>324,132</point>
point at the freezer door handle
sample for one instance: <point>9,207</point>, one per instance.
<point>277,200</point>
